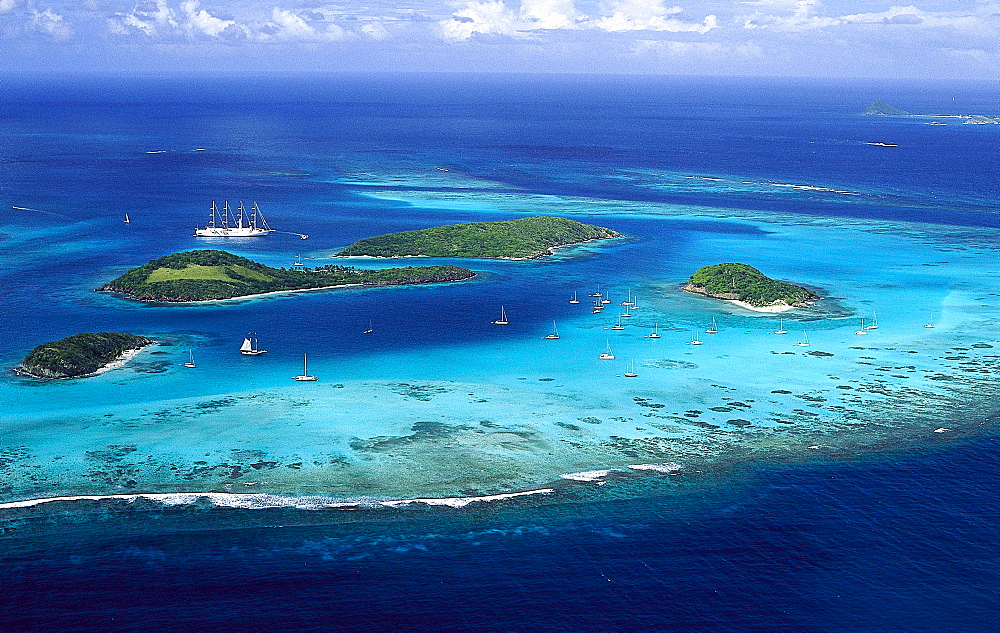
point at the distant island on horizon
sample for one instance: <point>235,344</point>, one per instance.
<point>748,287</point>
<point>209,275</point>
<point>522,238</point>
<point>881,108</point>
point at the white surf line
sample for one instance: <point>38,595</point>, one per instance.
<point>257,501</point>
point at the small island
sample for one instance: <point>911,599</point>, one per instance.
<point>523,238</point>
<point>209,275</point>
<point>748,287</point>
<point>81,354</point>
<point>881,108</point>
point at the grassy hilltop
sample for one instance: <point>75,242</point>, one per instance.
<point>741,282</point>
<point>523,238</point>
<point>209,274</point>
<point>80,354</point>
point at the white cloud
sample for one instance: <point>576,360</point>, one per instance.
<point>149,18</point>
<point>292,26</point>
<point>651,15</point>
<point>493,17</point>
<point>375,30</point>
<point>7,6</point>
<point>201,21</point>
<point>804,17</point>
<point>52,24</point>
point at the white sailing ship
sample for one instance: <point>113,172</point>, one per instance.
<point>222,224</point>
<point>305,377</point>
<point>249,347</point>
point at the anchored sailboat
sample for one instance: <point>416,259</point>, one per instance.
<point>714,329</point>
<point>503,318</point>
<point>654,333</point>
<point>874,325</point>
<point>305,371</point>
<point>127,221</point>
<point>190,362</point>
<point>574,299</point>
<point>862,331</point>
<point>249,347</point>
<point>221,225</point>
<point>555,332</point>
<point>608,355</point>
<point>694,339</point>
<point>805,340</point>
<point>781,328</point>
<point>631,371</point>
<point>618,326</point>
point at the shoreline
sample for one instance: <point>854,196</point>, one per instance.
<point>279,292</point>
<point>116,363</point>
<point>770,309</point>
<point>549,252</point>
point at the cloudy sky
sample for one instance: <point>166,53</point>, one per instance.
<point>841,38</point>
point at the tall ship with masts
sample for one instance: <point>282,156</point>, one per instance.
<point>244,224</point>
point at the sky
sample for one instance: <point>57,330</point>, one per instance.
<point>934,39</point>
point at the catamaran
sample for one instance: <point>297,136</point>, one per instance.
<point>221,224</point>
<point>503,318</point>
<point>305,371</point>
<point>249,347</point>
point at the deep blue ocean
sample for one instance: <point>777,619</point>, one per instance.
<point>893,532</point>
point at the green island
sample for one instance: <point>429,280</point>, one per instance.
<point>522,238</point>
<point>746,284</point>
<point>80,354</point>
<point>207,275</point>
<point>879,107</point>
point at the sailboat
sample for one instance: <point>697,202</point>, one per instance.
<point>127,221</point>
<point>608,355</point>
<point>305,371</point>
<point>628,302</point>
<point>596,294</point>
<point>714,329</point>
<point>631,371</point>
<point>503,318</point>
<point>597,307</point>
<point>298,263</point>
<point>805,340</point>
<point>249,347</point>
<point>654,333</point>
<point>606,300</point>
<point>370,328</point>
<point>874,325</point>
<point>862,331</point>
<point>190,362</point>
<point>781,328</point>
<point>219,224</point>
<point>555,332</point>
<point>694,339</point>
<point>627,313</point>
<point>574,300</point>
<point>619,325</point>
<point>930,322</point>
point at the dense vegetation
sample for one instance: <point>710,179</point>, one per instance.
<point>746,283</point>
<point>80,354</point>
<point>208,274</point>
<point>523,238</point>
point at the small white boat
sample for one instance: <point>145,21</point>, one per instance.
<point>654,333</point>
<point>862,331</point>
<point>298,263</point>
<point>714,329</point>
<point>631,371</point>
<point>619,325</point>
<point>305,377</point>
<point>555,332</point>
<point>606,300</point>
<point>629,301</point>
<point>249,347</point>
<point>127,221</point>
<point>627,313</point>
<point>596,294</point>
<point>370,328</point>
<point>608,355</point>
<point>694,339</point>
<point>874,325</point>
<point>781,328</point>
<point>930,323</point>
<point>805,340</point>
<point>190,362</point>
<point>574,300</point>
<point>503,318</point>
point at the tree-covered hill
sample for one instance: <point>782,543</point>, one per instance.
<point>523,238</point>
<point>741,282</point>
<point>80,354</point>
